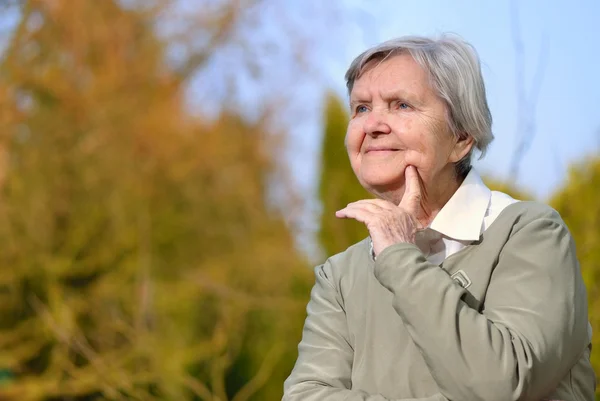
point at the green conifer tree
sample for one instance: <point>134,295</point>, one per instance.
<point>338,185</point>
<point>577,202</point>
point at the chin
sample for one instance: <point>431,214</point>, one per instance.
<point>380,180</point>
<point>380,188</point>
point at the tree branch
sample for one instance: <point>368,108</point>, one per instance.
<point>262,376</point>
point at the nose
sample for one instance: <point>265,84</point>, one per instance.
<point>376,124</point>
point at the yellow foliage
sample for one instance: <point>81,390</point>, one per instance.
<point>138,241</point>
<point>577,202</point>
<point>508,188</point>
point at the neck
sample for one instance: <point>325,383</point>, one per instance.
<point>436,196</point>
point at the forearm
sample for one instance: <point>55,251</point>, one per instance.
<point>315,391</point>
<point>518,348</point>
<point>439,324</point>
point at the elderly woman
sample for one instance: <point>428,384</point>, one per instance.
<point>459,293</point>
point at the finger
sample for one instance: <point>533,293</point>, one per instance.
<point>358,214</point>
<point>411,200</point>
<point>372,207</point>
<point>380,203</point>
<point>354,209</point>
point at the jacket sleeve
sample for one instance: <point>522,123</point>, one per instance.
<point>531,332</point>
<point>323,371</point>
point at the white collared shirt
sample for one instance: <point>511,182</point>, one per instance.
<point>462,220</point>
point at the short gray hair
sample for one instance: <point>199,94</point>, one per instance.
<point>455,73</point>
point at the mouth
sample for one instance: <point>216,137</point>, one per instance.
<point>380,150</point>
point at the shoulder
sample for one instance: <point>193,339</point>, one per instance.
<point>529,222</point>
<point>522,213</point>
<point>346,265</point>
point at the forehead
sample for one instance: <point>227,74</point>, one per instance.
<point>395,72</point>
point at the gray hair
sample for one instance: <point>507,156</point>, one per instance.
<point>455,73</point>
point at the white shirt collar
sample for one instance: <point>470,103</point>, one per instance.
<point>461,218</point>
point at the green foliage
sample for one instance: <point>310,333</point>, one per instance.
<point>507,188</point>
<point>578,203</point>
<point>338,185</point>
<point>140,260</point>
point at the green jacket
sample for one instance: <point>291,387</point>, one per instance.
<point>503,319</point>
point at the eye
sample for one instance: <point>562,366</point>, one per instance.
<point>361,108</point>
<point>403,106</point>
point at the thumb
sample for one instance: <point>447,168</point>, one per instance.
<point>411,200</point>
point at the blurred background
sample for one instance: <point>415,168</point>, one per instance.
<point>169,172</point>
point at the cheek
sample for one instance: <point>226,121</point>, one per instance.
<point>417,152</point>
<point>354,138</point>
<point>425,162</point>
<point>428,161</point>
<point>424,149</point>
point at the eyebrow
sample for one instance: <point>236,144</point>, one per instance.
<point>387,96</point>
<point>400,94</point>
<point>358,100</point>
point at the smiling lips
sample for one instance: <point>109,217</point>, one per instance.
<point>380,149</point>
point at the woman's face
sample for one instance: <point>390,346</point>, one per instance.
<point>398,120</point>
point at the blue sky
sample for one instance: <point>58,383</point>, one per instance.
<point>566,115</point>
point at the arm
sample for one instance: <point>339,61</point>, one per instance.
<point>323,370</point>
<point>533,328</point>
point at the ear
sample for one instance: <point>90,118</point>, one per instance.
<point>462,147</point>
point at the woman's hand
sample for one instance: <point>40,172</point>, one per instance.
<point>389,224</point>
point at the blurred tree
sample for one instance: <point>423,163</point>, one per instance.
<point>508,188</point>
<point>338,185</point>
<point>140,257</point>
<point>577,202</point>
